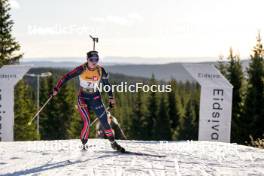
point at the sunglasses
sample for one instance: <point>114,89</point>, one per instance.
<point>93,59</point>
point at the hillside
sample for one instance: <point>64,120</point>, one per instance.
<point>161,71</point>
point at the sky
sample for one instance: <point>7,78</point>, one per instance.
<point>168,29</point>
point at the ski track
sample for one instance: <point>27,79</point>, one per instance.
<point>64,157</point>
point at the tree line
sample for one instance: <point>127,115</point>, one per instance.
<point>248,95</point>
<point>142,115</point>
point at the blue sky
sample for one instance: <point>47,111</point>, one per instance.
<point>139,28</point>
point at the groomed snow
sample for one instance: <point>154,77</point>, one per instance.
<point>181,158</point>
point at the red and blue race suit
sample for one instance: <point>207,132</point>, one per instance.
<point>89,97</point>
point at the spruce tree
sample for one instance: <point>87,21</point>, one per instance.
<point>235,77</point>
<point>253,117</point>
<point>126,119</point>
<point>152,112</point>
<point>188,129</point>
<point>139,114</point>
<point>45,89</point>
<point>68,102</point>
<point>59,113</point>
<point>9,47</point>
<point>173,102</point>
<point>162,125</point>
<point>196,106</point>
<point>24,111</point>
<point>221,66</point>
<point>76,124</point>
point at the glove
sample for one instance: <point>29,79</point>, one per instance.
<point>111,102</point>
<point>54,92</point>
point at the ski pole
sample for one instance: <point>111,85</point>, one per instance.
<point>30,122</point>
<point>93,121</point>
<point>122,132</point>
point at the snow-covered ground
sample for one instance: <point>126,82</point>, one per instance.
<point>161,158</point>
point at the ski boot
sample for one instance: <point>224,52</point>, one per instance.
<point>117,147</point>
<point>84,146</point>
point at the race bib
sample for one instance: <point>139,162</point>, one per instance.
<point>88,84</point>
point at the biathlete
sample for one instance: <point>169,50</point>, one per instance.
<point>89,98</point>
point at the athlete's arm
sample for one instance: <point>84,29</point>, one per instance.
<point>73,73</point>
<point>105,80</point>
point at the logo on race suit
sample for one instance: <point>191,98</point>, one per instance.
<point>95,78</point>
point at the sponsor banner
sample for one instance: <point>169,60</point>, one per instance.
<point>9,76</point>
<point>215,102</point>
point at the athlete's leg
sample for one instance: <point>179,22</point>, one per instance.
<point>101,114</point>
<point>84,112</point>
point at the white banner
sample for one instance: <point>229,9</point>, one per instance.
<point>9,76</point>
<point>215,102</point>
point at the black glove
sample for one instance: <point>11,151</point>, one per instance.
<point>111,102</point>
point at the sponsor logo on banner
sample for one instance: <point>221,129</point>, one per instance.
<point>217,109</point>
<point>208,75</point>
<point>8,76</point>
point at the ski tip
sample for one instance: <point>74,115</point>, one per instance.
<point>144,154</point>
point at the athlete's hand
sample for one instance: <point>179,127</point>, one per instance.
<point>55,91</point>
<point>112,102</point>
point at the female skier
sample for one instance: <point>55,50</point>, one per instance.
<point>89,98</point>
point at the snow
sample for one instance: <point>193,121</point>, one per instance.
<point>64,157</point>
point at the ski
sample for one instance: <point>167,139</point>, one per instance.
<point>122,150</point>
<point>139,154</point>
